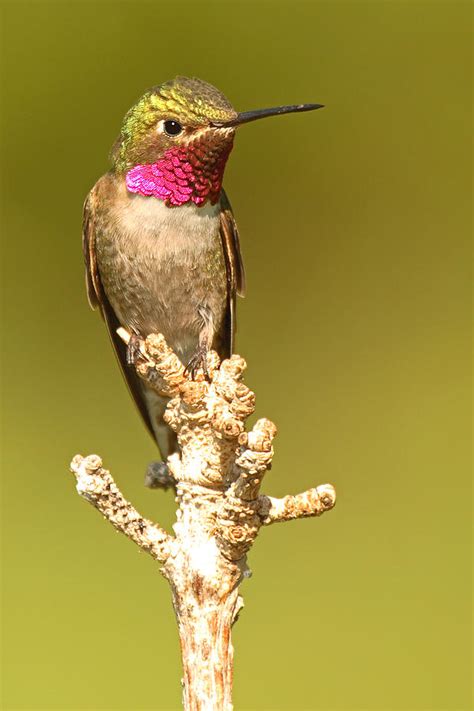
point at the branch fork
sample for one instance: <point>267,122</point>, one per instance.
<point>217,477</point>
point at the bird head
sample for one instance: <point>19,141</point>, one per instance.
<point>175,141</point>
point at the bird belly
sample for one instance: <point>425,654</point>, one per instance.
<point>163,270</point>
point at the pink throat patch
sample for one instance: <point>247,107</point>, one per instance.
<point>181,176</point>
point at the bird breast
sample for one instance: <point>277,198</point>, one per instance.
<point>159,266</point>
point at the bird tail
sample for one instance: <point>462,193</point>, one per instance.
<point>163,434</point>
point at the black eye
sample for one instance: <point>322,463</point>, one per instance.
<point>172,128</point>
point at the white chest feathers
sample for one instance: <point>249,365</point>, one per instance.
<point>173,227</point>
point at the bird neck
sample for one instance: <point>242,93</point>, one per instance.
<point>183,175</point>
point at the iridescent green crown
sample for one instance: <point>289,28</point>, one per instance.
<point>193,100</point>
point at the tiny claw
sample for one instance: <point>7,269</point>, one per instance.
<point>133,350</point>
<point>198,362</point>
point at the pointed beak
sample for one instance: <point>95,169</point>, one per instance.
<point>246,116</point>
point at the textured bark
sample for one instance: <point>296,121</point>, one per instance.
<point>217,478</point>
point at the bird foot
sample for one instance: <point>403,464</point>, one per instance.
<point>158,476</point>
<point>133,349</point>
<point>198,362</point>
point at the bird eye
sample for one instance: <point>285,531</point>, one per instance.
<point>172,128</point>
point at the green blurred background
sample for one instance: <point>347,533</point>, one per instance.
<point>355,230</point>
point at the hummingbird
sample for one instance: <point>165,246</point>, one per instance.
<point>160,241</point>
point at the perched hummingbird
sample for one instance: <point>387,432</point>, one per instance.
<point>161,246</point>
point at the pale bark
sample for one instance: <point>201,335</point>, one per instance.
<point>217,477</point>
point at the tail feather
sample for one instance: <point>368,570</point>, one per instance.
<point>164,435</point>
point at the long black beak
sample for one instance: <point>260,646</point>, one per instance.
<point>246,116</point>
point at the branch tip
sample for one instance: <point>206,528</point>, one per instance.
<point>313,502</point>
<point>96,486</point>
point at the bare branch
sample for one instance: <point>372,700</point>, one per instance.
<point>217,475</point>
<point>254,459</point>
<point>312,502</point>
<point>97,486</point>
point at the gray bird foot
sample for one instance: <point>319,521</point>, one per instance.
<point>198,362</point>
<point>158,476</point>
<point>133,349</point>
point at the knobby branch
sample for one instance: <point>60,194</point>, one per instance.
<point>217,477</point>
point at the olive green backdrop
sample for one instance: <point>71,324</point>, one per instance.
<point>355,228</point>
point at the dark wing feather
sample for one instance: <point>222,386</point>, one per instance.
<point>234,266</point>
<point>97,298</point>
